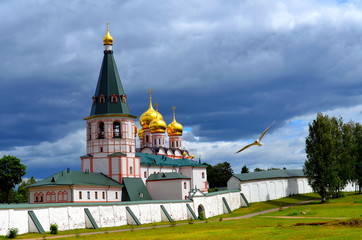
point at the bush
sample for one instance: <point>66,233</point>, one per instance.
<point>53,228</point>
<point>13,232</point>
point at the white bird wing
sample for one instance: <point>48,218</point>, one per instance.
<point>266,130</point>
<point>251,144</point>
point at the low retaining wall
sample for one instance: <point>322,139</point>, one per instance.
<point>73,216</point>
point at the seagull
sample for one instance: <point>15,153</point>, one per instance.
<point>257,141</point>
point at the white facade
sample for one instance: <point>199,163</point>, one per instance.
<point>67,194</point>
<point>171,189</point>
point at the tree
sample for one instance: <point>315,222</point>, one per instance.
<point>11,171</point>
<point>219,174</point>
<point>258,169</point>
<point>358,156</point>
<point>322,148</point>
<point>244,169</point>
<point>21,195</point>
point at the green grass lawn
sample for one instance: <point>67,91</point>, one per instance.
<point>265,226</point>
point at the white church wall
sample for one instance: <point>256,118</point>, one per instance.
<point>107,215</point>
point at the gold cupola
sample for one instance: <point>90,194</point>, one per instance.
<point>150,115</point>
<point>108,40</point>
<point>140,133</point>
<point>158,125</point>
<point>174,128</point>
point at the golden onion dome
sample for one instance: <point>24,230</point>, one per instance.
<point>174,128</point>
<point>184,153</point>
<point>140,133</point>
<point>108,40</point>
<point>158,126</point>
<point>150,115</point>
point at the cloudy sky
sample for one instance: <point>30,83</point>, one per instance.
<point>230,67</point>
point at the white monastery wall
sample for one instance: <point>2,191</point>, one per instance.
<point>270,189</point>
<point>72,216</point>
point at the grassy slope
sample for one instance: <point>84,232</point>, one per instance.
<point>260,227</point>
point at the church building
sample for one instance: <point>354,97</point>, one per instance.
<point>114,168</point>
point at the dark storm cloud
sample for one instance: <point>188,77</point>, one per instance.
<point>230,68</point>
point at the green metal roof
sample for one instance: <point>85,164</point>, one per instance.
<point>166,176</point>
<point>77,178</point>
<point>109,83</point>
<point>117,154</point>
<point>161,160</point>
<point>134,190</point>
<point>269,174</point>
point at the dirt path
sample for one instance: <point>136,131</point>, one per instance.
<point>178,224</point>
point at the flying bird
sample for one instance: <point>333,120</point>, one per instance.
<point>257,141</point>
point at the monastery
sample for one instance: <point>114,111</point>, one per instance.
<point>113,168</point>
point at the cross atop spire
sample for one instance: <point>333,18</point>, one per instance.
<point>174,112</point>
<point>157,104</point>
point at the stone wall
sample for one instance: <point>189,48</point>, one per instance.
<point>72,215</point>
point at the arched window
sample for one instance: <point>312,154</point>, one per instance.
<point>102,99</point>
<point>116,195</point>
<point>114,98</point>
<point>103,195</point>
<point>60,196</point>
<point>130,170</point>
<point>80,195</point>
<point>96,195</point>
<point>172,144</point>
<point>89,132</point>
<point>116,130</point>
<point>101,130</point>
<point>185,185</point>
<point>159,141</point>
<point>65,196</point>
<point>145,174</point>
<point>203,175</point>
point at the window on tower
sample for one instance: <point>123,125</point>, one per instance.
<point>114,98</point>
<point>116,130</point>
<point>102,99</point>
<point>101,130</point>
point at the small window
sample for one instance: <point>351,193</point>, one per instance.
<point>96,195</point>
<point>203,175</point>
<point>41,199</point>
<point>114,98</point>
<point>88,195</point>
<point>101,149</point>
<point>103,195</point>
<point>185,185</point>
<point>147,139</point>
<point>94,99</point>
<point>145,174</point>
<point>130,170</point>
<point>101,130</point>
<point>102,99</point>
<point>80,195</point>
<point>141,195</point>
<point>172,144</point>
<point>116,195</point>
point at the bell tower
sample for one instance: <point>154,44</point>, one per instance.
<point>111,131</point>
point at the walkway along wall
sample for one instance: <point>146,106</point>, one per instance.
<point>73,216</point>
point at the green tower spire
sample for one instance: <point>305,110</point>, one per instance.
<point>109,97</point>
